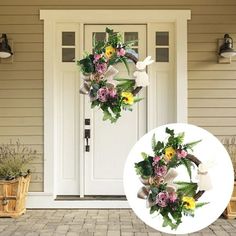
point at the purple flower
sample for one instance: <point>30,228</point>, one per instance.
<point>101,68</point>
<point>172,197</point>
<point>161,171</point>
<point>181,153</point>
<point>162,199</point>
<point>102,94</point>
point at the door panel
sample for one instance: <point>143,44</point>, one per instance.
<point>111,143</point>
<point>162,88</point>
<point>66,109</point>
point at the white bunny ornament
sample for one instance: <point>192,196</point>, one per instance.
<point>141,76</point>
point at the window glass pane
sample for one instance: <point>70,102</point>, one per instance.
<point>68,38</point>
<point>162,38</point>
<point>99,36</point>
<point>131,36</point>
<point>162,54</point>
<point>68,54</point>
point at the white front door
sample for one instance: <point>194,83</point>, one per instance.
<point>111,143</point>
<point>99,171</point>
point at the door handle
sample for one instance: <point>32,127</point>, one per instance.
<point>87,137</point>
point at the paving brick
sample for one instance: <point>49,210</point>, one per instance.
<point>113,233</point>
<point>112,222</point>
<point>221,233</point>
<point>46,234</point>
<point>72,234</point>
<point>208,234</point>
<point>100,233</point>
<point>32,234</point>
<point>127,234</point>
<point>154,234</point>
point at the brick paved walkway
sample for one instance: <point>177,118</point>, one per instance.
<point>93,223</point>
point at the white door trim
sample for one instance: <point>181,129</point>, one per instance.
<point>51,18</point>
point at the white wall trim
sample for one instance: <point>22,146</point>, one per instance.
<point>115,16</point>
<point>181,71</point>
<point>51,17</point>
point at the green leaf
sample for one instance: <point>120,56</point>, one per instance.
<point>186,188</point>
<point>170,131</point>
<point>124,60</point>
<point>192,144</point>
<point>109,31</point>
<point>122,79</point>
<point>153,209</point>
<point>144,155</point>
<point>86,64</point>
<point>155,190</point>
<point>159,145</point>
<point>188,164</point>
<point>137,99</point>
<point>188,212</point>
<point>125,84</point>
<point>180,137</point>
<point>167,221</point>
<point>154,142</point>
<point>144,168</point>
<point>106,115</point>
<point>173,163</point>
<point>201,204</point>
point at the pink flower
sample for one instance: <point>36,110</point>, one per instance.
<point>112,93</point>
<point>156,159</point>
<point>121,52</point>
<point>101,68</point>
<point>162,199</point>
<point>181,153</point>
<point>102,94</point>
<point>161,171</point>
<point>172,196</point>
<point>97,57</point>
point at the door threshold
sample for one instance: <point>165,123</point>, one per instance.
<point>90,198</point>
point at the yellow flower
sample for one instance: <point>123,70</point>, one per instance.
<point>169,153</point>
<point>189,203</point>
<point>128,98</point>
<point>109,51</point>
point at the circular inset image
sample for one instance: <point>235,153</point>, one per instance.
<point>178,178</point>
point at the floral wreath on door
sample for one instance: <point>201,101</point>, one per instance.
<point>99,76</point>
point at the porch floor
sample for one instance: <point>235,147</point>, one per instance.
<point>84,222</point>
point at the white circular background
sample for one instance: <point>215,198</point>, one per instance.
<point>208,150</point>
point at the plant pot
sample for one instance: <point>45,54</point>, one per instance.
<point>230,211</point>
<point>13,194</point>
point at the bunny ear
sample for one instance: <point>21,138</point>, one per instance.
<point>148,60</point>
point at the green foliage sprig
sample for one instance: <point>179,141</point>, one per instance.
<point>14,160</point>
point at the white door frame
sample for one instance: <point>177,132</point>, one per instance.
<point>46,199</point>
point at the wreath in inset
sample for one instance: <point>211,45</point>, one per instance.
<point>157,172</point>
<point>100,81</point>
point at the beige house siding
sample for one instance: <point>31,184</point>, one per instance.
<point>211,86</point>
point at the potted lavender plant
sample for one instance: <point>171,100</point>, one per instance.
<point>14,178</point>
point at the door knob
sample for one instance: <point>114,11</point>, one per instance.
<point>87,137</point>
